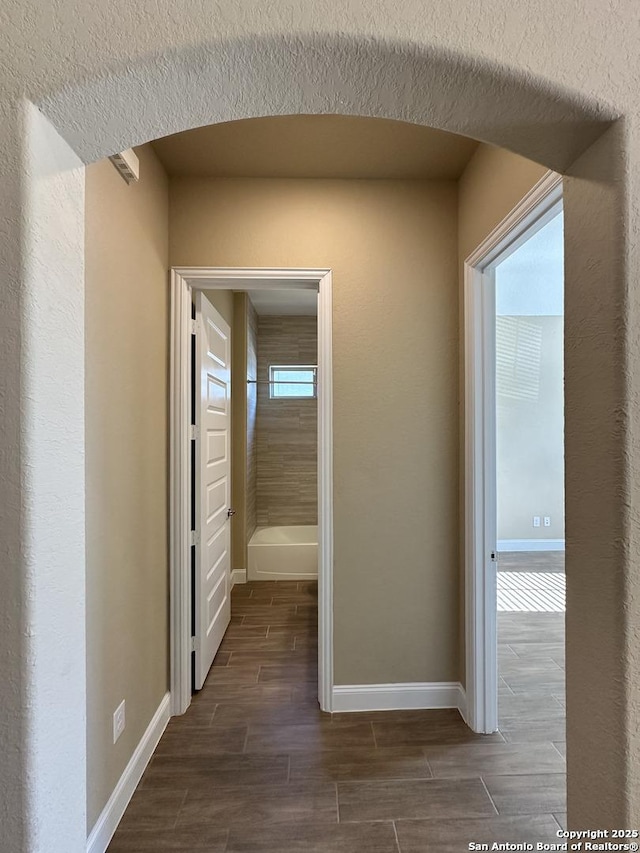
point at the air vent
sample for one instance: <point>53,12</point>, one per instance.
<point>127,163</point>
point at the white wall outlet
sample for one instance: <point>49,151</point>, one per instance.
<point>547,521</point>
<point>118,721</point>
<point>536,521</point>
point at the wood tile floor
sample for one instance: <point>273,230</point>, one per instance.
<point>255,767</point>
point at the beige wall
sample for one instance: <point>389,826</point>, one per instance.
<point>252,421</point>
<point>392,247</point>
<point>239,432</point>
<point>223,302</point>
<point>490,187</point>
<point>243,440</point>
<point>287,430</point>
<point>126,462</point>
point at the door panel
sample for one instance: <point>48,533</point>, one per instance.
<point>213,477</point>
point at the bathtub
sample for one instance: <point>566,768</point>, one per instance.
<point>283,553</point>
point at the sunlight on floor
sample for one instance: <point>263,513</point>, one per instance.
<point>531,592</point>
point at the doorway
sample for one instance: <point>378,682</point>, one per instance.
<point>185,284</point>
<point>529,371</point>
<point>505,325</point>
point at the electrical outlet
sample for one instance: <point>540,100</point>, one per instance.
<point>547,521</point>
<point>118,721</point>
<point>536,521</point>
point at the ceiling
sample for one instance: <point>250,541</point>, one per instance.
<point>315,146</point>
<point>293,302</point>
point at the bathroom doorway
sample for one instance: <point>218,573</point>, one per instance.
<point>271,380</point>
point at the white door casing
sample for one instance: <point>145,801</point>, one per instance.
<point>212,485</point>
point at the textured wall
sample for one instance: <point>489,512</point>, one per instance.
<point>287,430</point>
<point>126,462</point>
<point>392,248</point>
<point>45,631</point>
<point>116,76</point>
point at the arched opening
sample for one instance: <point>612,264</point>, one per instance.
<point>276,76</point>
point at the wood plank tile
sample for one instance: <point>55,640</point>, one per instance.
<point>281,794</point>
<point>533,731</point>
<point>534,794</point>
<point>261,588</point>
<point>320,838</point>
<point>258,644</point>
<point>290,657</point>
<point>198,715</point>
<point>300,622</point>
<point>260,807</point>
<point>470,760</point>
<point>246,631</point>
<point>430,717</point>
<point>429,733</point>
<point>203,840</point>
<point>272,713</point>
<point>529,706</point>
<point>209,740</point>
<point>230,692</point>
<point>287,674</point>
<point>430,798</point>
<point>538,650</point>
<point>246,674</point>
<point>547,683</point>
<point>246,607</point>
<point>453,836</point>
<point>309,599</point>
<point>313,737</point>
<point>153,809</point>
<point>205,772</point>
<point>530,666</point>
<point>360,764</point>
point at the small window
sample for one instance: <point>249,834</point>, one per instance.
<point>292,380</point>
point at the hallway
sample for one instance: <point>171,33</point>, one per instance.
<point>255,767</point>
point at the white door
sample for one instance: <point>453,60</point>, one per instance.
<point>212,485</point>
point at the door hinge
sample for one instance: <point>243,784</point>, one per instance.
<point>193,326</point>
<point>194,537</point>
<point>195,645</point>
<point>194,432</point>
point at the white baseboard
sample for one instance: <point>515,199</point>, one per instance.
<point>238,576</point>
<point>530,545</point>
<point>107,823</point>
<point>399,697</point>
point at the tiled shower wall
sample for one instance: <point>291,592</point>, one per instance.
<point>286,429</point>
<point>252,411</point>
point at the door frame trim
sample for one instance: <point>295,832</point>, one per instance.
<point>183,281</point>
<point>481,644</point>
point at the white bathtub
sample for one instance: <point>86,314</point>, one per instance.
<point>283,553</point>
